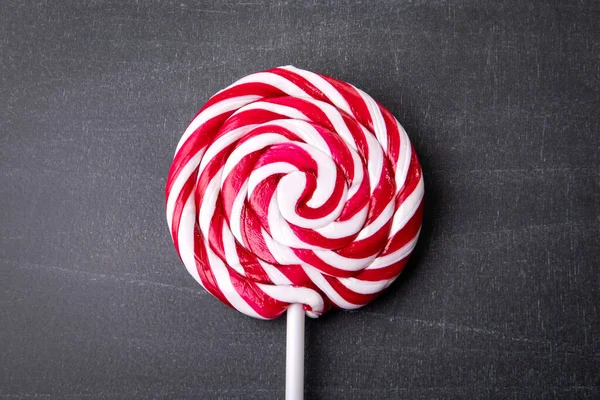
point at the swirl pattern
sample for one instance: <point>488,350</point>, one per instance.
<point>293,187</point>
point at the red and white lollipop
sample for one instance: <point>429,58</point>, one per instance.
<point>291,190</point>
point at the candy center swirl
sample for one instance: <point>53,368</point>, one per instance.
<point>292,187</point>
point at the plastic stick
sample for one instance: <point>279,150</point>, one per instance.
<point>294,361</point>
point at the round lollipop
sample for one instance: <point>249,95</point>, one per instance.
<point>291,190</point>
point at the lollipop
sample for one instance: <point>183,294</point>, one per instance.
<point>294,191</point>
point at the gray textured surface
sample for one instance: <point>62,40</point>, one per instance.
<point>501,100</point>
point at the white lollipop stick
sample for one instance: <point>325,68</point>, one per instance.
<point>294,361</point>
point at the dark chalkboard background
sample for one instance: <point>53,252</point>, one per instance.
<point>501,99</point>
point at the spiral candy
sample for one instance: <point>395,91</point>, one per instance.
<point>293,187</point>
